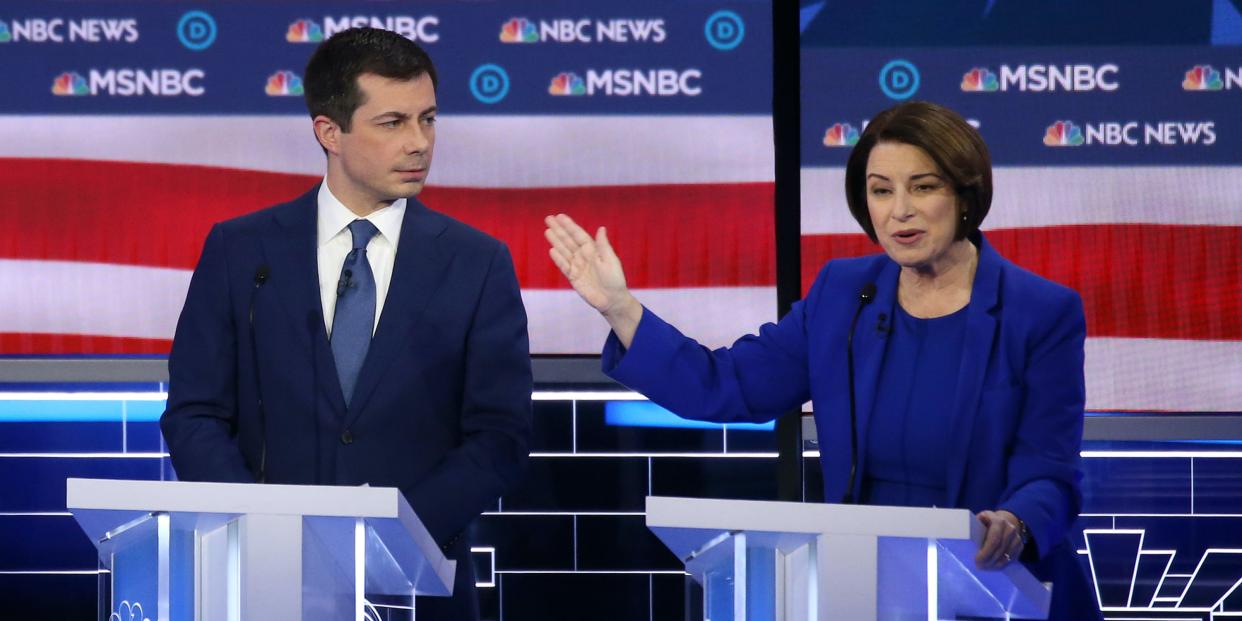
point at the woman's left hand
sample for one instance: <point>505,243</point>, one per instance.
<point>1002,542</point>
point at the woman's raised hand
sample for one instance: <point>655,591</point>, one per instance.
<point>595,272</point>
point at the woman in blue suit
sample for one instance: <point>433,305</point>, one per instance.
<point>967,370</point>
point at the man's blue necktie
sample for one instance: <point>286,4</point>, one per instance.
<point>355,309</point>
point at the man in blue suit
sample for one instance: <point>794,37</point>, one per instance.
<point>352,336</point>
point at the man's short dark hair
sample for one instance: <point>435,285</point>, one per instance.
<point>955,146</point>
<point>331,82</point>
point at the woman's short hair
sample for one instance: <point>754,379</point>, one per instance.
<point>955,146</point>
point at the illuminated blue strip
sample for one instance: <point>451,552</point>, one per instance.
<point>648,414</point>
<point>71,411</point>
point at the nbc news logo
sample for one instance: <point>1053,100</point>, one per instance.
<point>841,135</point>
<point>304,31</point>
<point>284,84</point>
<point>567,83</point>
<point>1207,78</point>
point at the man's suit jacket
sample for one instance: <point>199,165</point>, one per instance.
<point>442,405</point>
<point>1017,408</point>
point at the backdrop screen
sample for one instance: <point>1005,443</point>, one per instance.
<point>128,129</point>
<point>1115,130</point>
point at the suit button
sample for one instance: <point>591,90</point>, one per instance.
<point>347,437</point>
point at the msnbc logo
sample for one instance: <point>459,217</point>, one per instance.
<point>304,31</point>
<point>1202,78</point>
<point>567,83</point>
<point>841,135</point>
<point>518,30</point>
<point>70,83</point>
<point>980,80</point>
<point>5,35</point>
<point>1063,134</point>
<point>284,84</point>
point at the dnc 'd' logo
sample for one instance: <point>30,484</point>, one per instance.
<point>284,84</point>
<point>304,31</point>
<point>1063,134</point>
<point>841,135</point>
<point>724,30</point>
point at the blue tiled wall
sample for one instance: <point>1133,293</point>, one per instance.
<point>573,537</point>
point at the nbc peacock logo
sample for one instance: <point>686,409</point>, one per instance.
<point>841,135</point>
<point>284,84</point>
<point>518,30</point>
<point>70,84</point>
<point>304,31</point>
<point>1063,134</point>
<point>567,83</point>
<point>5,35</point>
<point>980,80</point>
<point>1202,78</point>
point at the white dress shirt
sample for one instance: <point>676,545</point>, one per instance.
<point>335,242</point>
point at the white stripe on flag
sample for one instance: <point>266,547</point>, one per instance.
<point>65,297</point>
<point>1051,196</point>
<point>1131,374</point>
<point>471,151</point>
<point>560,322</point>
<point>58,297</point>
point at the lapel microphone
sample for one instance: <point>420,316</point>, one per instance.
<point>260,279</point>
<point>865,296</point>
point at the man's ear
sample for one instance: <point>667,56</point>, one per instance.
<point>328,133</point>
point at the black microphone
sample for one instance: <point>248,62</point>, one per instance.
<point>345,282</point>
<point>882,327</point>
<point>260,278</point>
<point>865,297</point>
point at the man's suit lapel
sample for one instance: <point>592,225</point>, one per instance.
<point>418,271</point>
<point>291,249</point>
<point>981,328</point>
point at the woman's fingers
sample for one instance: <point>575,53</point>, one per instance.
<point>559,250</point>
<point>1000,542</point>
<point>575,232</point>
<point>603,247</point>
<point>557,233</point>
<point>991,541</point>
<point>561,262</point>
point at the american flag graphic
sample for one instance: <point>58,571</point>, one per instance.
<point>104,218</point>
<point>1155,252</point>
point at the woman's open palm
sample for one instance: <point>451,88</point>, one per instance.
<point>590,265</point>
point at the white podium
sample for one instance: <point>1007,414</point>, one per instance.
<point>180,551</point>
<point>764,561</point>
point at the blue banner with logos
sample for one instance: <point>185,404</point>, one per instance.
<point>504,58</point>
<point>1039,105</point>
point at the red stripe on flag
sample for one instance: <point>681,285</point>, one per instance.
<point>158,215</point>
<point>12,343</point>
<point>1136,280</point>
